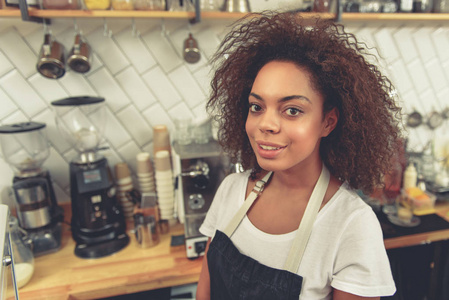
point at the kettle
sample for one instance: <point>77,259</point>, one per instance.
<point>51,58</point>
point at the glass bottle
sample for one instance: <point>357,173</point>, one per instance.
<point>23,260</point>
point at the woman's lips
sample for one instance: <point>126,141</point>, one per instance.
<point>268,150</point>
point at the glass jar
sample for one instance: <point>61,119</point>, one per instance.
<point>60,4</point>
<point>97,4</point>
<point>441,6</point>
<point>122,4</point>
<point>422,6</point>
<point>210,5</point>
<point>149,4</point>
<point>22,255</point>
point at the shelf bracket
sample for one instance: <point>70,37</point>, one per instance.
<point>197,18</point>
<point>23,6</point>
<point>339,11</point>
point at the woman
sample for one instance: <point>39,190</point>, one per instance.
<point>312,121</point>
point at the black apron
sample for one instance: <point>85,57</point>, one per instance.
<point>235,276</point>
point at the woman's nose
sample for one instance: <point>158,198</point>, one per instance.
<point>269,122</point>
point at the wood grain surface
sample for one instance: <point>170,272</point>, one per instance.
<point>62,275</point>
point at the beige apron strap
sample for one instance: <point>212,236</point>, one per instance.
<point>305,228</point>
<point>238,217</point>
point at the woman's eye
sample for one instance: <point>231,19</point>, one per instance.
<point>292,111</point>
<point>254,108</point>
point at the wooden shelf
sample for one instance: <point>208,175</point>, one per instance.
<point>33,12</point>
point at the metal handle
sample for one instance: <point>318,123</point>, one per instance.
<point>198,169</point>
<point>7,260</point>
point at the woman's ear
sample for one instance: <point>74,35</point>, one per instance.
<point>330,121</point>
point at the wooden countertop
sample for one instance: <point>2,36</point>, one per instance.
<point>62,275</point>
<point>433,227</point>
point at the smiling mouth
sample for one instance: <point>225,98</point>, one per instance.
<point>265,147</point>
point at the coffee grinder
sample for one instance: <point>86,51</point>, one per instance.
<point>25,147</point>
<point>98,224</point>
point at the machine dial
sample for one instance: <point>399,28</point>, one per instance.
<point>196,201</point>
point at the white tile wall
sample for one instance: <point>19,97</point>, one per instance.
<point>146,82</point>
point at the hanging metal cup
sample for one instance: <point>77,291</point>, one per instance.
<point>191,51</point>
<point>79,57</point>
<point>51,61</point>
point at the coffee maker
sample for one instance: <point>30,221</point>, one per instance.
<point>203,167</point>
<point>98,224</point>
<point>25,147</point>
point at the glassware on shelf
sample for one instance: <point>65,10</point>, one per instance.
<point>322,6</point>
<point>441,6</point>
<point>422,6</point>
<point>60,4</point>
<point>97,4</point>
<point>122,4</point>
<point>211,5</point>
<point>149,4</point>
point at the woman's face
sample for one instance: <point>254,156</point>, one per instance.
<point>285,120</point>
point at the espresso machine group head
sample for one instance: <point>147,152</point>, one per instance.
<point>25,147</point>
<point>98,224</point>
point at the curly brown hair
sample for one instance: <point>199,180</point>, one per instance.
<point>359,149</point>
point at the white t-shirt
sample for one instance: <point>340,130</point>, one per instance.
<point>345,250</point>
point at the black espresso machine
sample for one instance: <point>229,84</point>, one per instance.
<point>98,224</point>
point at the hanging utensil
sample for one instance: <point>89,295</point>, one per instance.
<point>191,51</point>
<point>435,120</point>
<point>79,59</point>
<point>414,119</point>
<point>51,62</point>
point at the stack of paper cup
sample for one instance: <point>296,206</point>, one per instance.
<point>164,185</point>
<point>124,186</point>
<point>145,173</point>
<point>161,139</point>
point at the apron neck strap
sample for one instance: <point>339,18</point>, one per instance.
<point>305,227</point>
<point>238,217</point>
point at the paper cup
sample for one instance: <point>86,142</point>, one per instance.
<point>161,139</point>
<point>162,161</point>
<point>122,171</point>
<point>144,164</point>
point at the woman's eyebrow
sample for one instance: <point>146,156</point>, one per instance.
<point>283,99</point>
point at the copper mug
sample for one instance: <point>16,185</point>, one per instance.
<point>191,51</point>
<point>80,57</point>
<point>51,61</point>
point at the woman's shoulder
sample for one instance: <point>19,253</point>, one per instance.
<point>348,202</point>
<point>233,178</point>
<point>233,181</point>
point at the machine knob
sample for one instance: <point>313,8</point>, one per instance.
<point>196,201</point>
<point>7,260</point>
